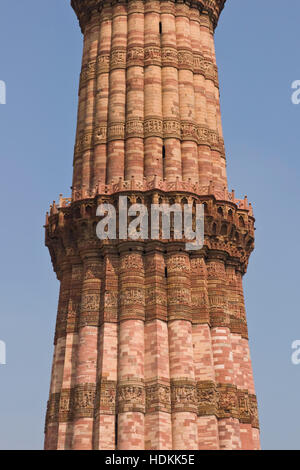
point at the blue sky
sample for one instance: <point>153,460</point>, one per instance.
<point>258,59</point>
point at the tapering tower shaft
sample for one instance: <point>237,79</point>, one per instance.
<point>151,344</point>
<point>148,95</point>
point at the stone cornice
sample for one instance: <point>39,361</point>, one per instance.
<point>84,8</point>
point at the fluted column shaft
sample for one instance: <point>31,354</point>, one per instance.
<point>102,96</point>
<point>153,143</point>
<point>212,103</point>
<point>189,154</point>
<point>131,385</point>
<point>91,88</point>
<point>86,370</point>
<point>57,375</point>
<point>134,149</point>
<point>171,112</point>
<point>247,383</point>
<point>158,425</point>
<point>183,390</point>
<point>117,94</point>
<point>78,150</point>
<point>107,369</point>
<point>208,433</point>
<point>204,150</point>
<point>69,330</point>
<point>229,428</point>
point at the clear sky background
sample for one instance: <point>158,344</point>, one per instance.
<point>257,45</point>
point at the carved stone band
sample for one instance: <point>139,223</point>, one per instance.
<point>150,127</point>
<point>167,56</point>
<point>183,395</point>
<point>204,398</point>
<point>131,397</point>
<point>227,401</point>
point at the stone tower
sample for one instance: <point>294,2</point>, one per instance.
<point>151,346</point>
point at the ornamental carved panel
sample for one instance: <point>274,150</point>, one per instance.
<point>178,264</point>
<point>106,397</point>
<point>228,405</point>
<point>132,296</point>
<point>90,302</point>
<point>156,296</point>
<point>103,61</point>
<point>132,261</point>
<point>152,55</point>
<point>65,410</point>
<point>158,398</point>
<point>83,400</point>
<point>179,296</point>
<point>183,396</point>
<point>52,408</point>
<point>131,397</point>
<point>118,58</point>
<point>207,398</point>
<point>135,56</point>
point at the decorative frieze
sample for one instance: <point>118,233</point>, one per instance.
<point>135,56</point>
<point>189,131</point>
<point>135,6</point>
<point>132,296</point>
<point>156,296</point>
<point>106,397</point>
<point>134,128</point>
<point>152,55</point>
<point>169,57</point>
<point>207,398</point>
<point>204,398</point>
<point>83,400</point>
<point>90,305</point>
<point>185,59</point>
<point>253,411</point>
<point>227,401</point>
<point>228,404</point>
<point>239,326</point>
<point>153,127</point>
<point>180,296</point>
<point>131,261</point>
<point>183,395</point>
<point>179,263</point>
<point>132,303</point>
<point>65,409</point>
<point>171,129</point>
<point>131,397</point>
<point>116,131</point>
<point>103,62</point>
<point>118,59</point>
<point>158,398</point>
<point>88,72</point>
<point>84,142</point>
<point>100,135</point>
<point>52,408</point>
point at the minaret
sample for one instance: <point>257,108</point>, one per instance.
<point>151,344</point>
